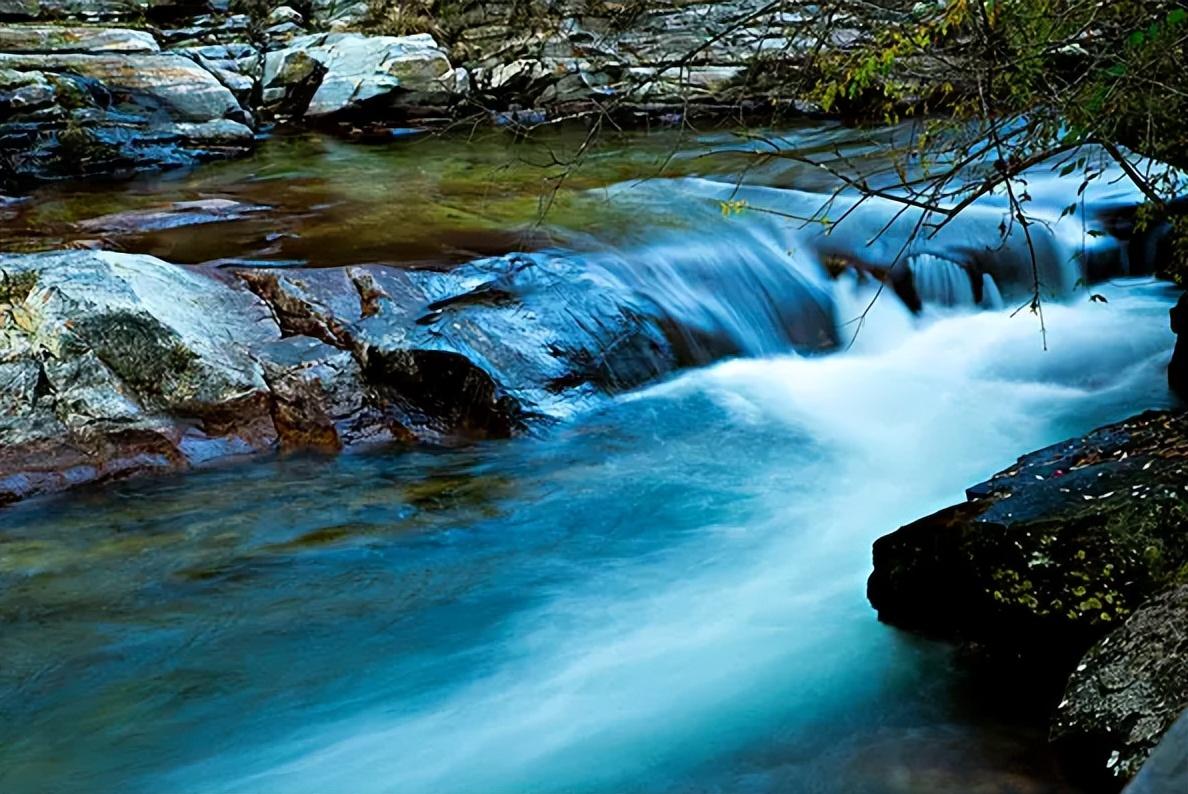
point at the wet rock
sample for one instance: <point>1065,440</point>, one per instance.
<point>1048,556</point>
<point>476,352</point>
<point>1128,689</point>
<point>1177,370</point>
<point>321,400</point>
<point>177,214</point>
<point>116,364</point>
<point>350,71</point>
<point>1166,771</point>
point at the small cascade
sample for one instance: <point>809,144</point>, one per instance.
<point>991,297</point>
<point>735,293</point>
<point>941,282</point>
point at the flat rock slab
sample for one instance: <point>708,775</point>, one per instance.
<point>173,83</point>
<point>80,39</point>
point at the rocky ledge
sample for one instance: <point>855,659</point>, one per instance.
<point>115,364</point>
<point>1073,565</point>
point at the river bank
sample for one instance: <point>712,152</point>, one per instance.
<point>101,86</point>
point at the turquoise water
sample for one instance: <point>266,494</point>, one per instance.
<point>662,593</point>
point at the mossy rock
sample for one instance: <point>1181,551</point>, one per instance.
<point>1050,555</point>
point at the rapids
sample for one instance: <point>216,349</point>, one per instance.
<point>664,593</point>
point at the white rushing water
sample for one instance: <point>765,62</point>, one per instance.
<point>629,674</point>
<point>665,594</point>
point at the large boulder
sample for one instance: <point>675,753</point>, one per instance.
<point>338,72</point>
<point>1048,556</point>
<point>116,363</point>
<point>1072,562</point>
<point>1128,689</point>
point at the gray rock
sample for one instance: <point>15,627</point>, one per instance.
<point>170,82</point>
<point>283,14</point>
<point>1129,688</point>
<point>1166,771</point>
<point>62,39</point>
<point>75,9</point>
<point>139,366</point>
<point>357,69</point>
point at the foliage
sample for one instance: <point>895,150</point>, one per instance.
<point>1027,82</point>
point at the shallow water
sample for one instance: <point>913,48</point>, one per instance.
<point>665,594</point>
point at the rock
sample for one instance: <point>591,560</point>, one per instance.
<point>282,14</point>
<point>1128,689</point>
<point>1047,557</point>
<point>353,71</point>
<point>177,214</point>
<point>60,9</point>
<point>321,400</point>
<point>1166,771</point>
<point>1177,370</point>
<point>85,40</point>
<point>339,15</point>
<point>117,364</point>
<point>114,364</point>
<point>520,337</point>
<point>163,81</point>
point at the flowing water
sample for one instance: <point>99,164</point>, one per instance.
<point>663,594</point>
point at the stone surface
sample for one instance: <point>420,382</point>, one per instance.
<point>1049,555</point>
<point>1129,688</point>
<point>114,364</point>
<point>167,82</point>
<point>117,363</point>
<point>1166,771</point>
<point>347,71</point>
<point>64,39</point>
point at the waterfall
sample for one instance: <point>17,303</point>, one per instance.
<point>941,282</point>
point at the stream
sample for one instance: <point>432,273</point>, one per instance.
<point>664,592</point>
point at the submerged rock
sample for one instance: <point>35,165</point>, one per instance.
<point>177,214</point>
